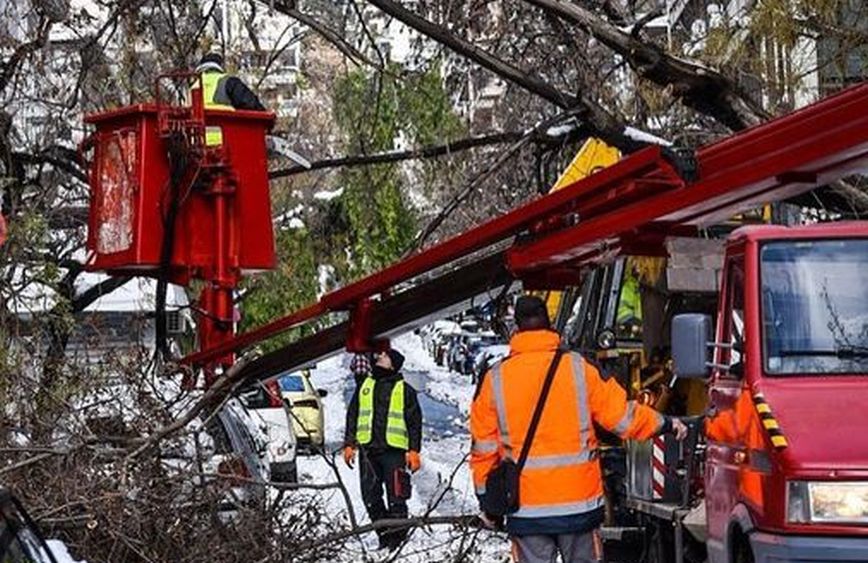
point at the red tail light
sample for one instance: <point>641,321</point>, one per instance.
<point>274,398</point>
<point>310,403</point>
<point>234,467</point>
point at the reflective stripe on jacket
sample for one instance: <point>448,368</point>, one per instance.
<point>562,475</point>
<point>396,427</point>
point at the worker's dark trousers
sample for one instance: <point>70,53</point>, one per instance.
<point>376,469</point>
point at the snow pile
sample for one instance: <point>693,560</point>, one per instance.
<point>328,195</point>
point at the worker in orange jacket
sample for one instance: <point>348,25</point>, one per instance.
<point>561,487</point>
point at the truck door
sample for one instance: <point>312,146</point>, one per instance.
<point>723,435</point>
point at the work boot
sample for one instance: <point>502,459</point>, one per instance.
<point>383,541</point>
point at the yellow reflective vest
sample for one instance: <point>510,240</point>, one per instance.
<point>214,96</point>
<point>396,427</point>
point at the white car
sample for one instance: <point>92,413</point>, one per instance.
<point>235,458</point>
<point>307,411</point>
<point>271,414</point>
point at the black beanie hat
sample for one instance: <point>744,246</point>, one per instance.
<point>531,313</point>
<point>211,61</point>
<point>397,359</point>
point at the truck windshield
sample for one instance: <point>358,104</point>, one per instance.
<point>815,306</point>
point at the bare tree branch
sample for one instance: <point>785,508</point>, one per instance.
<point>698,86</point>
<point>214,395</point>
<point>91,294</point>
<point>288,8</point>
<point>398,156</point>
<point>480,56</point>
<point>489,170</point>
<point>597,119</point>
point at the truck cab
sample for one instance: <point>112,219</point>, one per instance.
<point>786,462</point>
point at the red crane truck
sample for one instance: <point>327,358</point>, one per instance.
<point>784,466</point>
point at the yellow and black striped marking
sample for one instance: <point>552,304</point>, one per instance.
<point>770,423</point>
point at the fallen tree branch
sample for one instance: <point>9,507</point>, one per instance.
<point>458,520</point>
<point>597,119</point>
<point>430,151</point>
<point>273,484</point>
<point>213,396</point>
<point>493,167</point>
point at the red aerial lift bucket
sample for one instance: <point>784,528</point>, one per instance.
<point>130,180</point>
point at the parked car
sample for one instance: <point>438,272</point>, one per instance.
<point>234,456</point>
<point>20,540</point>
<point>272,416</point>
<point>307,411</point>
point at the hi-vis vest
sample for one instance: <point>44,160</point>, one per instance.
<point>396,428</point>
<point>562,475</point>
<point>214,96</point>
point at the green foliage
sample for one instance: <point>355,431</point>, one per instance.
<point>373,111</point>
<point>288,288</point>
<point>373,222</point>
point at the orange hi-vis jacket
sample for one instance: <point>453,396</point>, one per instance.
<point>562,475</point>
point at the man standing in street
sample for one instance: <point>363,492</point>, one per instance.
<point>384,423</point>
<point>561,488</point>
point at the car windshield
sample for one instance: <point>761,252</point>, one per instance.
<point>291,383</point>
<point>815,306</point>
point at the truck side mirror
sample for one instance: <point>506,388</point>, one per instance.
<point>691,334</point>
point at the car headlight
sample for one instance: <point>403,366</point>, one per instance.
<point>820,502</point>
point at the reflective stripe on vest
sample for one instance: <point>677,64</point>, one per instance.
<point>559,509</point>
<point>396,427</point>
<point>500,407</point>
<point>215,97</point>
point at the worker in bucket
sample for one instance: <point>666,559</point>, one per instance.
<point>384,425</point>
<point>222,91</point>
<point>560,502</point>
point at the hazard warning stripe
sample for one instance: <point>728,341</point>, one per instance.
<point>769,422</point>
<point>658,467</point>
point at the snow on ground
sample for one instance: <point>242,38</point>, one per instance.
<point>443,485</point>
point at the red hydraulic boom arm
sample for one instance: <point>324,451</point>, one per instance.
<point>629,208</point>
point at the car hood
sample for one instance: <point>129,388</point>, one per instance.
<point>824,420</point>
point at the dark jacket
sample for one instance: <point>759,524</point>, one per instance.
<point>232,91</point>
<point>382,395</point>
<point>241,96</point>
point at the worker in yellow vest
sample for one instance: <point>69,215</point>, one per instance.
<point>222,91</point>
<point>384,424</point>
